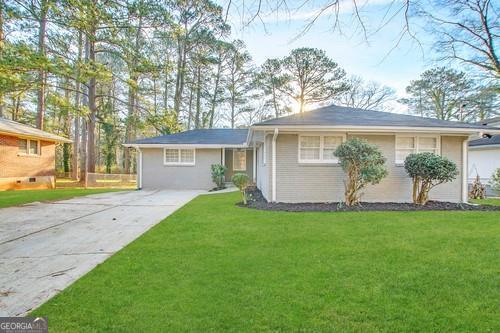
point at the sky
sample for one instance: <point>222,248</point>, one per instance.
<point>375,58</point>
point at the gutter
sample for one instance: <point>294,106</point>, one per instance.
<point>180,145</point>
<point>58,139</point>
<point>273,151</point>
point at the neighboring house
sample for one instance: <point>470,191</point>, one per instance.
<point>290,159</point>
<point>27,156</point>
<point>484,155</point>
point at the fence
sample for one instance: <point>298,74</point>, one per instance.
<point>99,180</point>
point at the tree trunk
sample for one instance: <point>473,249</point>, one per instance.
<point>215,95</point>
<point>190,109</point>
<point>179,81</point>
<point>415,189</point>
<point>275,103</point>
<point>76,136</point>
<point>91,153</point>
<point>302,103</point>
<point>131,123</point>
<point>198,98</point>
<point>42,75</point>
<point>67,130</point>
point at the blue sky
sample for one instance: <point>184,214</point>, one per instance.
<point>372,60</point>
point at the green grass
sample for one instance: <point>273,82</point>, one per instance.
<point>14,198</point>
<point>488,201</point>
<point>213,267</point>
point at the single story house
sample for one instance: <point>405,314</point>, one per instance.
<point>290,158</point>
<point>27,156</point>
<point>484,155</point>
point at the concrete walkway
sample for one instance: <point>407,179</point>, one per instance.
<point>44,247</point>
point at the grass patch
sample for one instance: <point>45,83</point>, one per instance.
<point>212,267</point>
<point>14,198</point>
<point>488,201</point>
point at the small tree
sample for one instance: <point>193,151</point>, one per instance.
<point>478,190</point>
<point>363,163</point>
<point>427,171</point>
<point>218,173</point>
<point>241,181</point>
<point>495,180</point>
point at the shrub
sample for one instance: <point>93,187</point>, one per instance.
<point>427,171</point>
<point>363,163</point>
<point>495,180</point>
<point>218,172</point>
<point>478,190</point>
<point>241,181</point>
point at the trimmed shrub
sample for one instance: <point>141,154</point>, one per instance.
<point>428,170</point>
<point>495,180</point>
<point>218,172</point>
<point>241,181</point>
<point>363,163</point>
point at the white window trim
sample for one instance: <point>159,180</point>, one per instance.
<point>417,144</point>
<point>28,142</point>
<point>179,163</point>
<point>245,166</point>
<point>321,147</point>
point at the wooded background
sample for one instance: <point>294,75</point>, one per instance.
<point>105,72</point>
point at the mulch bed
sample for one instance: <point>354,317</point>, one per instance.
<point>257,201</point>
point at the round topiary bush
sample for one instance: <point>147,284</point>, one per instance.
<point>428,170</point>
<point>363,163</point>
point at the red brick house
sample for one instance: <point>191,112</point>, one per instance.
<point>27,156</point>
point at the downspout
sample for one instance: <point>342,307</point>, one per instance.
<point>254,163</point>
<point>139,170</point>
<point>275,136</point>
<point>465,171</point>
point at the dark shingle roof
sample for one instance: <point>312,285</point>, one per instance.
<point>334,115</point>
<point>489,121</point>
<point>216,136</point>
<point>494,140</point>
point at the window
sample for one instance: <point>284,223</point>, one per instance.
<point>33,147</point>
<point>179,156</point>
<point>29,147</point>
<point>239,160</point>
<point>23,146</point>
<point>406,145</point>
<point>318,149</point>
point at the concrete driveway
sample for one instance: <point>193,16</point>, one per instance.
<point>44,247</point>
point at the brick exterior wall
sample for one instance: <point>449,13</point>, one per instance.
<point>17,169</point>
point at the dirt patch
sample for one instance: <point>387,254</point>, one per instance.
<point>256,200</point>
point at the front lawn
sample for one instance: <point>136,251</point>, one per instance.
<point>212,267</point>
<point>14,198</point>
<point>487,201</point>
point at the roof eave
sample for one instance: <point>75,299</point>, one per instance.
<point>454,130</point>
<point>183,145</point>
<point>58,139</point>
<point>485,146</point>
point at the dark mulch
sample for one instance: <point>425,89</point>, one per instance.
<point>256,200</point>
<point>215,189</point>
